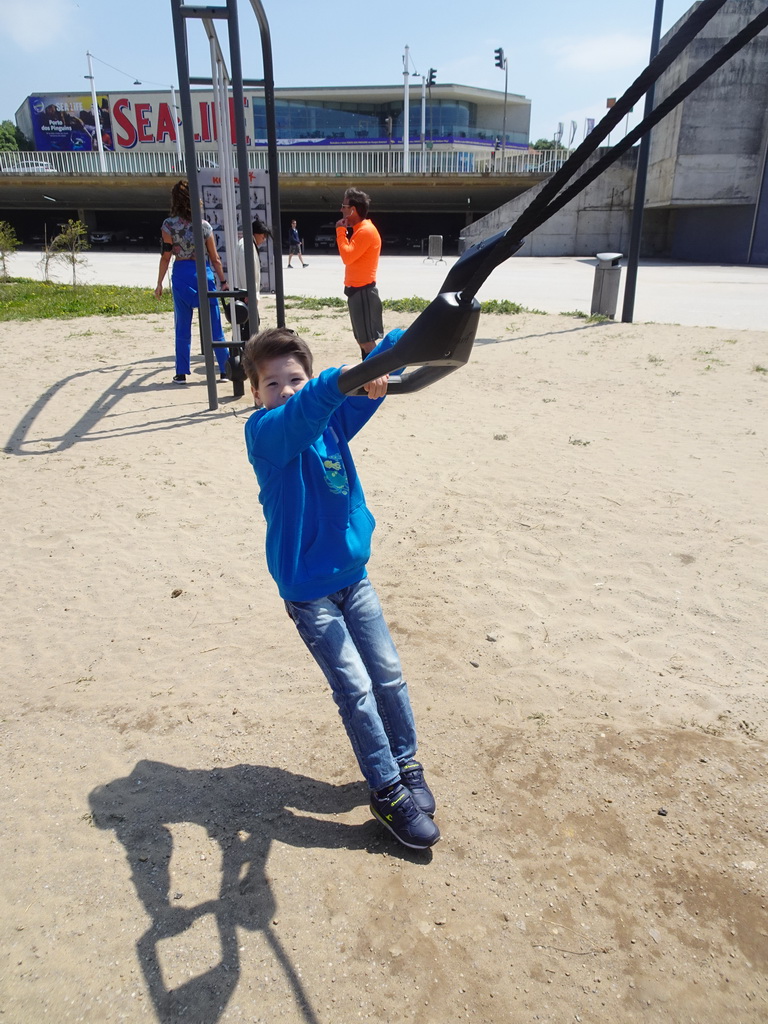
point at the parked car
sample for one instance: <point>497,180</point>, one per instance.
<point>325,237</point>
<point>107,237</point>
<point>29,165</point>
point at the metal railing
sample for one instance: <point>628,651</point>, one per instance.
<point>292,161</point>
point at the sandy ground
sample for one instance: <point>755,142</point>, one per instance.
<point>572,552</point>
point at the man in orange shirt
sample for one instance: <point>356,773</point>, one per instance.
<point>360,255</point>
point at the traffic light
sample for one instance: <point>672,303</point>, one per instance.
<point>499,57</point>
<point>388,125</point>
<point>431,76</point>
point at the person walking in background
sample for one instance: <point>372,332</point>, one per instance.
<point>294,245</point>
<point>178,240</point>
<point>360,255</point>
<point>260,233</point>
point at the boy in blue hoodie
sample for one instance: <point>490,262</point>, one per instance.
<point>318,543</point>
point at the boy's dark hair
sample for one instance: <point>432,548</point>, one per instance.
<point>258,227</point>
<point>360,200</point>
<point>269,344</point>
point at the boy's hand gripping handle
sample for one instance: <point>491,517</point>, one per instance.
<point>440,340</point>
<point>437,342</point>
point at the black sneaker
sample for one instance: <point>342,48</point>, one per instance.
<point>180,378</point>
<point>396,809</point>
<point>412,777</point>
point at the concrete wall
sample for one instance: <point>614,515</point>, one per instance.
<point>491,117</point>
<point>709,149</point>
<point>597,220</point>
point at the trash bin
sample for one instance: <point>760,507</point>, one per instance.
<point>435,250</point>
<point>605,291</point>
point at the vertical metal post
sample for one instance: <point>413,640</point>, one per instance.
<point>406,115</point>
<point>96,118</point>
<point>177,129</point>
<point>504,119</point>
<point>423,167</point>
<point>204,312</point>
<point>274,174</point>
<point>242,163</point>
<point>762,188</point>
<point>633,252</point>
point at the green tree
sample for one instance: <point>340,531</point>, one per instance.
<point>48,256</point>
<point>544,144</point>
<point>11,139</point>
<point>9,243</point>
<point>70,244</point>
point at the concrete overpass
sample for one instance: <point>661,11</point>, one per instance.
<point>93,193</point>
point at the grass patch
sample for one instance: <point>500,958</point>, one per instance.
<point>411,305</point>
<point>414,304</point>
<point>594,318</point>
<point>24,299</point>
<point>297,302</point>
<point>502,306</point>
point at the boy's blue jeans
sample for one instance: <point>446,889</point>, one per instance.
<point>185,299</point>
<point>349,639</point>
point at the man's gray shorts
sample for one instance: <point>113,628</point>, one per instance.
<point>365,313</point>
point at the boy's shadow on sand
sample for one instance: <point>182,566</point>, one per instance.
<point>243,809</point>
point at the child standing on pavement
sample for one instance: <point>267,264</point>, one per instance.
<point>318,543</point>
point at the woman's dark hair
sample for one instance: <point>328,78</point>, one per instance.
<point>180,204</point>
<point>360,200</point>
<point>269,344</point>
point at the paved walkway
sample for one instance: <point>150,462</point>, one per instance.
<point>693,294</point>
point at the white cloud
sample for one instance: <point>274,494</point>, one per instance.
<point>600,53</point>
<point>36,24</point>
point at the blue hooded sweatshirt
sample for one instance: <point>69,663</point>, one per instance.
<point>318,525</point>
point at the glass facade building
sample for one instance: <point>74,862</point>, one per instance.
<point>340,120</point>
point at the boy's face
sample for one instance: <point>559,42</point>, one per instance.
<point>279,378</point>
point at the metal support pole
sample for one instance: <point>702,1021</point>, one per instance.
<point>406,115</point>
<point>182,63</point>
<point>96,118</point>
<point>762,188</point>
<point>177,129</point>
<point>242,165</point>
<point>423,167</point>
<point>274,177</point>
<point>504,119</point>
<point>636,230</point>
<point>431,133</point>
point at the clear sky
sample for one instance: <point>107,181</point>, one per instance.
<point>566,56</point>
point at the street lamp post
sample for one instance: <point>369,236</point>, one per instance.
<point>177,129</point>
<point>430,83</point>
<point>501,62</point>
<point>96,118</point>
<point>406,115</point>
<point>423,124</point>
